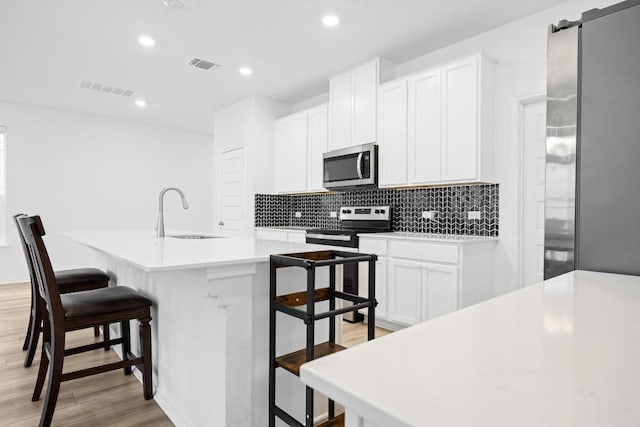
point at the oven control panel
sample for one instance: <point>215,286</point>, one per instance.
<point>365,213</point>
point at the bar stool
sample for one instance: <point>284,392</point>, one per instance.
<point>82,279</point>
<point>79,310</point>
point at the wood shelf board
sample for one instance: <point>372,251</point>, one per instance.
<point>292,361</point>
<point>300,298</point>
<point>337,421</point>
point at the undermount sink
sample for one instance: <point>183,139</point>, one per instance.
<point>194,236</point>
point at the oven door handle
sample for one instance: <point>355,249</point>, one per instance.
<point>359,165</point>
<point>340,237</point>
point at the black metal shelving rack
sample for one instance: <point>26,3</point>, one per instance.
<point>288,304</point>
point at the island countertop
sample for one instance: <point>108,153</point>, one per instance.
<point>141,248</point>
<point>563,352</point>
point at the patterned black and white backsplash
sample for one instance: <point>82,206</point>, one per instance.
<point>451,205</point>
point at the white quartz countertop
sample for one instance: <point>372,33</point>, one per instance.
<point>565,352</point>
<point>450,238</point>
<point>142,249</point>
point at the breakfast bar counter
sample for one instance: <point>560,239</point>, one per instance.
<point>564,352</point>
<point>210,319</point>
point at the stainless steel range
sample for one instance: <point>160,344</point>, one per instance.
<point>353,221</point>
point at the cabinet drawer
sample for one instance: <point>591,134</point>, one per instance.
<point>373,246</point>
<point>424,251</point>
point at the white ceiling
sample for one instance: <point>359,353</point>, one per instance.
<point>47,47</point>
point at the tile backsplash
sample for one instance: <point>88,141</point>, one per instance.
<point>451,207</point>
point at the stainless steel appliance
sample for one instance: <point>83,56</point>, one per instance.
<point>352,167</point>
<point>593,143</point>
<point>354,220</point>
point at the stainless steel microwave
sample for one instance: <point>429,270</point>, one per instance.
<point>352,167</point>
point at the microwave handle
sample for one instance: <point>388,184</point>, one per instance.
<point>359,165</point>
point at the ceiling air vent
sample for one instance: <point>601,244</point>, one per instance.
<point>201,63</point>
<point>99,87</point>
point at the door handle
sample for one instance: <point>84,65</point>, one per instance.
<point>359,165</point>
<point>221,223</point>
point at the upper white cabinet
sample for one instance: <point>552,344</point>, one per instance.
<point>392,132</point>
<point>299,141</point>
<point>448,126</point>
<point>424,135</point>
<point>353,103</point>
<point>290,153</point>
<point>318,134</point>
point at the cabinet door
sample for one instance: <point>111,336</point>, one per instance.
<point>460,120</point>
<point>441,290</point>
<point>341,110</point>
<point>290,150</point>
<point>392,133</point>
<point>318,134</point>
<point>405,291</point>
<point>365,91</point>
<point>424,122</point>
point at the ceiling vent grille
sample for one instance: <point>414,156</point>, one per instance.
<point>113,90</point>
<point>201,63</point>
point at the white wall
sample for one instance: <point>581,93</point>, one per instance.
<point>521,49</point>
<point>248,124</point>
<point>86,172</point>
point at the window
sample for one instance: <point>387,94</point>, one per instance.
<point>3,185</point>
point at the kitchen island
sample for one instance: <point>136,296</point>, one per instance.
<point>210,320</point>
<point>563,352</point>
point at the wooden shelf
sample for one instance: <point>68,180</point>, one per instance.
<point>300,298</point>
<point>337,421</point>
<point>292,361</point>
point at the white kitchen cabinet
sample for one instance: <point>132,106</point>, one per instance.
<point>424,138</point>
<point>405,298</point>
<point>299,141</point>
<point>418,279</point>
<point>318,128</point>
<point>353,103</point>
<point>392,133</point>
<point>290,153</point>
<point>449,125</point>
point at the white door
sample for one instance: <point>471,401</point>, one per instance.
<point>318,134</point>
<point>424,128</point>
<point>533,186</point>
<point>365,93</point>
<point>405,291</point>
<point>392,133</point>
<point>441,283</point>
<point>341,110</point>
<point>232,188</point>
<point>460,120</point>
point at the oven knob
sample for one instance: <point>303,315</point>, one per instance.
<point>381,211</point>
<point>345,211</point>
<point>377,211</point>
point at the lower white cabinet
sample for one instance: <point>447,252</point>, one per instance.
<point>418,280</point>
<point>421,291</point>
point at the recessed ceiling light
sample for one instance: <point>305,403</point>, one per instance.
<point>246,71</point>
<point>146,41</point>
<point>141,103</point>
<point>330,20</point>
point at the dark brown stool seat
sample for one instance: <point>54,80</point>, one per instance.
<point>77,310</point>
<point>102,301</point>
<point>80,279</point>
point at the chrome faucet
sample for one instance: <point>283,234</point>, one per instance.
<point>185,205</point>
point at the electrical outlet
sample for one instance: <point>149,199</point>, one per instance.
<point>474,215</point>
<point>428,214</point>
<point>298,214</point>
<point>333,214</point>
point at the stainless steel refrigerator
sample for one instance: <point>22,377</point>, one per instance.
<point>592,210</point>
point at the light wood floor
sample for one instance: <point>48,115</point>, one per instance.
<point>109,399</point>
